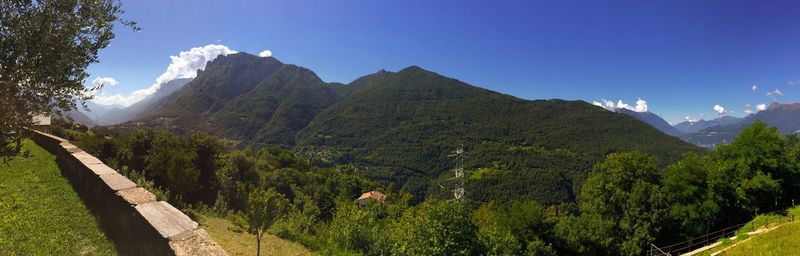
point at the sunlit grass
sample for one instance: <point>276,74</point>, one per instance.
<point>784,240</point>
<point>40,214</point>
<point>245,244</point>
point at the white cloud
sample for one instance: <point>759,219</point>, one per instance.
<point>689,119</point>
<point>621,104</point>
<point>761,107</point>
<point>641,105</point>
<point>719,109</point>
<point>104,81</point>
<point>748,111</point>
<point>794,82</point>
<point>185,65</point>
<point>265,53</point>
<point>98,84</point>
<point>755,87</point>
<point>776,92</point>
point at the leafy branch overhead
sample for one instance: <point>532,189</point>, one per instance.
<point>46,47</point>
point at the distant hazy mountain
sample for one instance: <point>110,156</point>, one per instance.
<point>785,117</point>
<point>96,111</point>
<point>696,126</point>
<point>76,116</point>
<point>400,127</point>
<point>124,114</point>
<point>653,120</point>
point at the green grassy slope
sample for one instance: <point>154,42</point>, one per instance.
<point>784,240</point>
<point>245,244</point>
<point>40,214</point>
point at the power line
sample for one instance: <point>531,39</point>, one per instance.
<point>459,190</point>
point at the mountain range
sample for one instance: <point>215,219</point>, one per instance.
<point>784,117</point>
<point>400,127</point>
<point>653,120</point>
<point>696,126</point>
<point>722,130</point>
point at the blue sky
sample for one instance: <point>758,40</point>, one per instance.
<point>681,57</point>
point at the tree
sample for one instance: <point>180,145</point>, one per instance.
<point>263,209</point>
<point>435,228</point>
<point>237,176</point>
<point>498,239</point>
<point>750,172</point>
<point>622,203</point>
<point>353,228</point>
<point>46,47</point>
<point>692,206</point>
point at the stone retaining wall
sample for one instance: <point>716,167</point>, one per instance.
<point>130,215</point>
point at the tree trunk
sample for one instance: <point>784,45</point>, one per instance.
<point>258,243</point>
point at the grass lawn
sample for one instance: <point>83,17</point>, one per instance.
<point>245,244</point>
<point>785,240</point>
<point>40,214</point>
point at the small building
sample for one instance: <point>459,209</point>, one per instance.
<point>371,197</point>
<point>42,123</point>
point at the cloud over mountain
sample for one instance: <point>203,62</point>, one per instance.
<point>641,105</point>
<point>719,109</point>
<point>185,65</point>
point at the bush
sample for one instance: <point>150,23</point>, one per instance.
<point>434,228</point>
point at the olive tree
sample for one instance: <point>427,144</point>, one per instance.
<point>263,209</point>
<point>46,47</point>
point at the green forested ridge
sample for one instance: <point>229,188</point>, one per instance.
<point>399,127</point>
<point>539,149</point>
<point>245,97</point>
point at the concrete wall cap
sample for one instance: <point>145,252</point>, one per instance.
<point>101,169</point>
<point>117,182</point>
<point>86,158</point>
<point>70,148</point>
<point>135,196</point>
<point>166,219</point>
<point>59,139</point>
<point>200,243</point>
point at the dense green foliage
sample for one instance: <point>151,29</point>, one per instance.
<point>627,204</point>
<point>628,201</point>
<point>35,222</point>
<point>622,204</point>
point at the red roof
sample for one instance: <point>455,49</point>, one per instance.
<point>377,196</point>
